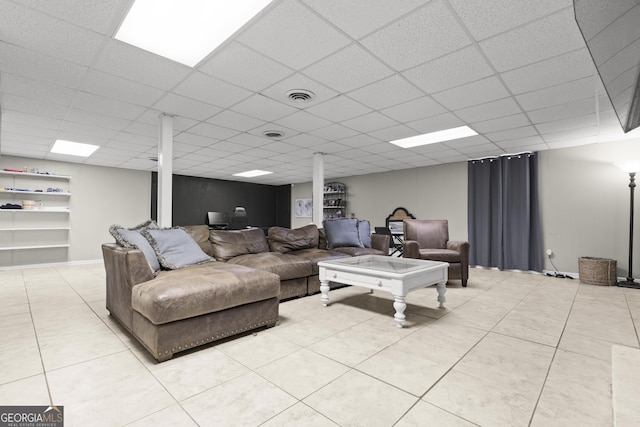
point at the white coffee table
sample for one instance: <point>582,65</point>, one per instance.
<point>399,276</point>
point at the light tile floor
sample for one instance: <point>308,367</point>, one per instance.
<point>511,349</point>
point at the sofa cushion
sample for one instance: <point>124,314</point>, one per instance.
<point>315,255</point>
<point>443,255</point>
<point>132,238</point>
<point>201,289</point>
<point>359,251</point>
<point>364,233</point>
<point>284,265</point>
<point>228,244</point>
<point>175,248</point>
<point>342,232</point>
<point>200,233</point>
<point>284,240</point>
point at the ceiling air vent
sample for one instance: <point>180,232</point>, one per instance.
<point>300,96</point>
<point>275,134</point>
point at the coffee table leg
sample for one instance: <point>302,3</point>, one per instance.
<point>324,289</point>
<point>400,306</point>
<point>442,289</point>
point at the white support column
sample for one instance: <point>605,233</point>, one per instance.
<point>318,188</point>
<point>165,171</point>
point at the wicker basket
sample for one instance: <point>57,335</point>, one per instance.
<point>597,271</point>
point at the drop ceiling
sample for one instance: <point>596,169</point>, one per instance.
<point>516,71</point>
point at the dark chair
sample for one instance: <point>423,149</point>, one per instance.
<point>429,239</point>
<point>239,219</point>
<point>393,246</point>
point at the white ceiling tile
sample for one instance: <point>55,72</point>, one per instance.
<point>485,18</point>
<point>567,143</point>
<point>232,120</point>
<point>521,144</point>
<point>338,108</point>
<point>419,108</point>
<point>501,123</point>
<point>567,124</point>
<point>244,67</point>
<point>110,86</point>
<point>560,94</point>
<point>360,17</point>
<point>348,69</point>
<point>436,123</point>
<point>25,129</point>
<point>27,63</point>
<point>30,106</point>
<point>301,37</point>
<point>488,111</point>
<point>212,131</point>
<point>111,107</point>
<point>551,72</point>
<point>478,92</point>
<point>571,135</point>
<point>369,122</point>
<point>467,142</point>
<point>132,138</point>
<point>622,61</point>
<point>37,90</point>
<point>33,30</point>
<point>31,120</point>
<point>97,119</point>
<point>426,34</point>
<point>394,132</point>
<point>195,140</point>
<point>305,141</point>
<point>279,91</point>
<point>540,40</point>
<point>141,66</point>
<point>572,109</point>
<point>303,121</point>
<point>359,141</point>
<point>333,132</point>
<point>211,90</point>
<point>386,93</point>
<point>515,133</point>
<point>260,106</point>
<point>79,128</point>
<point>481,150</point>
<point>268,127</point>
<point>463,66</point>
<point>182,106</point>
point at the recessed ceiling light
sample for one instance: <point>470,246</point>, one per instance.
<point>275,134</point>
<point>185,30</point>
<point>433,137</point>
<point>73,148</point>
<point>253,173</point>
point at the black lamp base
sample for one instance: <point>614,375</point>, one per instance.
<point>629,283</point>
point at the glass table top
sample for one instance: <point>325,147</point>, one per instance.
<point>382,263</point>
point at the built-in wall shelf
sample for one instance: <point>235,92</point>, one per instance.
<point>37,193</point>
<point>36,175</point>
<point>36,229</point>
<point>16,248</point>
<point>40,230</point>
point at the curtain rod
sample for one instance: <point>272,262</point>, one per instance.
<point>501,155</point>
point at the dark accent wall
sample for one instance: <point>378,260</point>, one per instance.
<point>193,197</point>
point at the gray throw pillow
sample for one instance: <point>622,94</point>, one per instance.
<point>132,238</point>
<point>175,248</point>
<point>342,233</point>
<point>364,232</point>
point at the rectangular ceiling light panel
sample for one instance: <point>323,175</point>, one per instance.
<point>185,30</point>
<point>73,148</point>
<point>434,137</point>
<point>253,173</point>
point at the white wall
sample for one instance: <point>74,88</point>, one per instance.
<point>584,201</point>
<point>100,197</point>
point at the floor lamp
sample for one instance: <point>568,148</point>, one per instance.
<point>631,170</point>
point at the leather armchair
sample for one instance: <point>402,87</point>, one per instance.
<point>429,239</point>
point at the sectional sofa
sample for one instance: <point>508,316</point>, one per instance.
<point>206,285</point>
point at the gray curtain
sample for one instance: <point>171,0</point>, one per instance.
<point>504,215</point>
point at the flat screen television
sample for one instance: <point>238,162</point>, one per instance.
<point>611,30</point>
<point>217,219</point>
